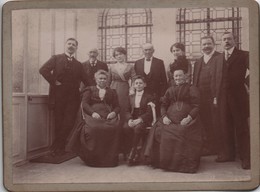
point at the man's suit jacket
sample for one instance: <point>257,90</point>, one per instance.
<point>145,109</point>
<point>197,68</point>
<point>91,71</point>
<point>237,65</point>
<point>55,70</point>
<point>156,80</point>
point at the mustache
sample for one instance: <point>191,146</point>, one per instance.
<point>71,48</point>
<point>207,49</point>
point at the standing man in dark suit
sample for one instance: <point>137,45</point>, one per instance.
<point>64,74</point>
<point>153,70</point>
<point>201,79</point>
<point>232,102</point>
<point>92,65</point>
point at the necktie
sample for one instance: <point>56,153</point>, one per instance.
<point>69,63</point>
<point>227,55</point>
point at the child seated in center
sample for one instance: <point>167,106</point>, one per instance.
<point>138,117</point>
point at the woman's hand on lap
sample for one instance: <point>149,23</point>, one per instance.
<point>96,115</point>
<point>166,120</point>
<point>111,115</point>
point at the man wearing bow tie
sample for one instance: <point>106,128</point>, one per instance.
<point>153,70</point>
<point>92,65</point>
<point>64,74</point>
<point>232,102</point>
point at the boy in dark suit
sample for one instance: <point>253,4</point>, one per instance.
<point>139,116</point>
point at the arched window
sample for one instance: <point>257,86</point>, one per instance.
<point>128,28</point>
<point>194,23</point>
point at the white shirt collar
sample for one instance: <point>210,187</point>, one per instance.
<point>100,88</point>
<point>73,55</point>
<point>230,51</point>
<point>150,59</point>
<point>139,93</point>
<point>206,57</point>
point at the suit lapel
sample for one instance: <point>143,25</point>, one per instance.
<point>142,102</point>
<point>197,70</point>
<point>132,102</point>
<point>220,63</point>
<point>152,68</point>
<point>142,66</point>
<point>233,57</point>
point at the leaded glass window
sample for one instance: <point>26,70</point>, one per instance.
<point>128,28</point>
<point>194,23</point>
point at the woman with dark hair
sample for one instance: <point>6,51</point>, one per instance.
<point>120,74</point>
<point>96,134</point>
<point>174,142</point>
<point>180,60</point>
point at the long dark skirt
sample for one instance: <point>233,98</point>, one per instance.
<point>175,147</point>
<point>96,141</point>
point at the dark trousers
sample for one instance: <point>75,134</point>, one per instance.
<point>233,128</point>
<point>66,107</point>
<point>132,135</point>
<point>208,119</point>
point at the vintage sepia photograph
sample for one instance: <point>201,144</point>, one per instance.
<point>123,95</point>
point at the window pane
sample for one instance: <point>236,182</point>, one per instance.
<point>202,21</point>
<point>129,32</point>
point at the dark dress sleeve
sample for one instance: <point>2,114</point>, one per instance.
<point>47,68</point>
<point>165,101</point>
<point>194,101</point>
<point>115,103</point>
<point>163,79</point>
<point>86,99</point>
<point>128,114</point>
<point>147,116</point>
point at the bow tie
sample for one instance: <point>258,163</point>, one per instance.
<point>70,58</point>
<point>148,59</point>
<point>93,64</point>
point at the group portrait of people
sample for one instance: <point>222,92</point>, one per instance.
<point>163,118</point>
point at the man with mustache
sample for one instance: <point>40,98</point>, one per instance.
<point>64,74</point>
<point>201,79</point>
<point>92,65</point>
<point>232,102</point>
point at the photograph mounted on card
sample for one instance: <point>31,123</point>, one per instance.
<point>123,95</point>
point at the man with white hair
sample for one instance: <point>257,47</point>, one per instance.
<point>153,70</point>
<point>92,65</point>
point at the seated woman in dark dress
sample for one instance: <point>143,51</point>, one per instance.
<point>174,142</point>
<point>95,136</point>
